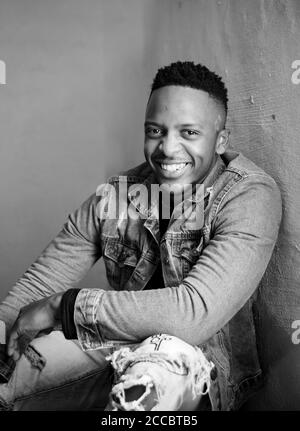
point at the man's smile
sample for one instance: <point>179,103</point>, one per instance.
<point>171,169</point>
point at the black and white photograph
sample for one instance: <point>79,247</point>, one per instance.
<point>150,209</point>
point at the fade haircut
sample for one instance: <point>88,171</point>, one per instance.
<point>189,74</point>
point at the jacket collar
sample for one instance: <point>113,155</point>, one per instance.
<point>135,194</point>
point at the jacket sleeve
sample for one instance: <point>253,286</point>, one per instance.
<point>244,232</point>
<point>62,264</point>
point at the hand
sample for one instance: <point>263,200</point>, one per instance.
<point>35,319</point>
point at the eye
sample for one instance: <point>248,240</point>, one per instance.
<point>153,132</point>
<point>188,133</point>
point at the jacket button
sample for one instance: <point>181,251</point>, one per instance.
<point>166,260</point>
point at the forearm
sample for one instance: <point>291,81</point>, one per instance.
<point>225,276</point>
<point>193,311</point>
<point>62,264</point>
<point>51,273</point>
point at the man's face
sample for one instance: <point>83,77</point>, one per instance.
<point>183,134</point>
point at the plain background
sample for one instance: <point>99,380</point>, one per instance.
<point>72,111</point>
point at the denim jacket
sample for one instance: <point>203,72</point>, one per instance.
<point>211,271</point>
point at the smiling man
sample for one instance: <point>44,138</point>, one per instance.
<point>184,133</point>
<point>176,329</point>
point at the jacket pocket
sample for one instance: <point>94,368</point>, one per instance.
<point>189,253</point>
<point>120,261</point>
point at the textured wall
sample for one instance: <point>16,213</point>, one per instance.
<point>72,112</point>
<point>253,44</point>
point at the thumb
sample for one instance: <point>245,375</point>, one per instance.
<point>18,341</point>
<point>12,344</point>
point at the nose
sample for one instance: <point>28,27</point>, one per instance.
<point>169,144</point>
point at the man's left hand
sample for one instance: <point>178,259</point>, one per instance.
<point>35,319</point>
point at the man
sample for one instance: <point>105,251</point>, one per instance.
<point>176,330</point>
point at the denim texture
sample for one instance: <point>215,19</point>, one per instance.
<point>176,375</point>
<point>211,271</point>
<point>8,364</point>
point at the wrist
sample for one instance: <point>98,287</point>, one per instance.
<point>55,302</point>
<point>67,313</point>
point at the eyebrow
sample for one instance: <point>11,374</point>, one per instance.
<point>188,125</point>
<point>193,125</point>
<point>153,123</point>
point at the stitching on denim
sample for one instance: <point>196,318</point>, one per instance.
<point>123,358</point>
<point>167,363</point>
<point>89,299</point>
<point>218,200</point>
<point>241,393</point>
<point>66,384</point>
<point>236,181</point>
<point>242,383</point>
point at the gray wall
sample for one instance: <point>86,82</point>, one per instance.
<point>71,113</point>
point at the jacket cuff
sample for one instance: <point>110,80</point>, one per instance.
<point>67,313</point>
<point>88,302</point>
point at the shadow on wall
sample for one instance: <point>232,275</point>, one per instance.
<point>280,362</point>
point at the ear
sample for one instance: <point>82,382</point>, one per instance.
<point>222,141</point>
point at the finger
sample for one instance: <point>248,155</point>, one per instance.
<point>12,345</point>
<point>14,351</point>
<point>16,355</point>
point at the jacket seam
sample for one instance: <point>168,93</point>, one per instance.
<point>237,181</point>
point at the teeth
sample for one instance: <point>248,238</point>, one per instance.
<point>174,167</point>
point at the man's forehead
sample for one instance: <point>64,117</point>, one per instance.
<point>185,102</point>
<point>172,94</point>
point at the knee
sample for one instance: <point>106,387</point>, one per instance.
<point>167,343</point>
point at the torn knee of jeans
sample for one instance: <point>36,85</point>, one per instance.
<point>125,358</point>
<point>121,358</point>
<point>199,372</point>
<point>133,393</point>
<point>195,366</point>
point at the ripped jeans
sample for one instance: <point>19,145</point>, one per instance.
<point>161,373</point>
<point>169,374</point>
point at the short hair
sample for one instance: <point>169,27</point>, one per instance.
<point>189,74</point>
